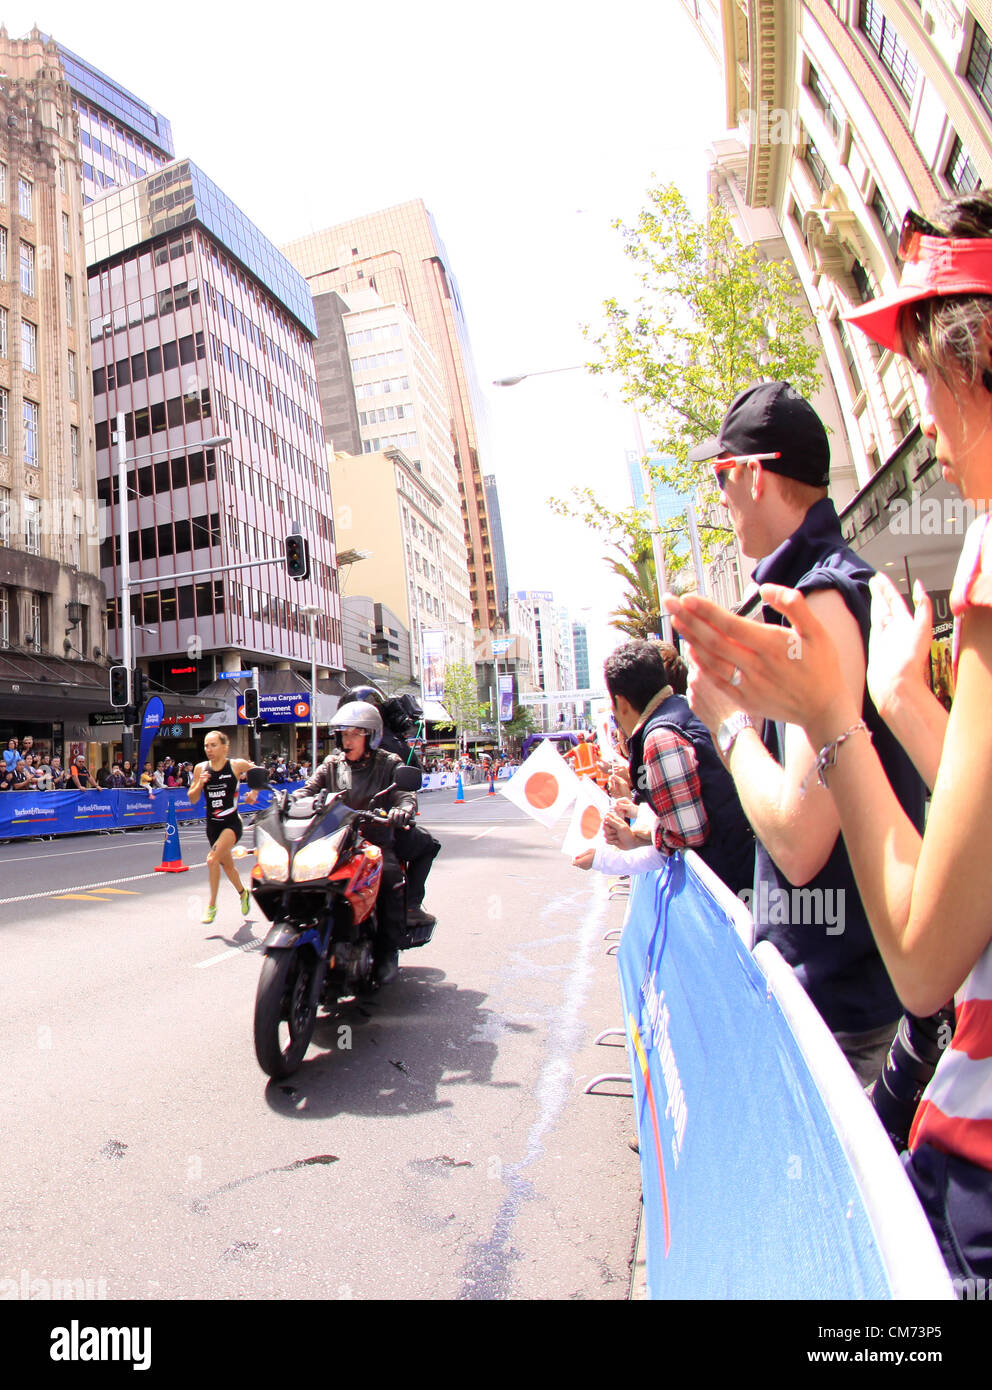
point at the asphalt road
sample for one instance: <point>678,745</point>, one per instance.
<point>435,1143</point>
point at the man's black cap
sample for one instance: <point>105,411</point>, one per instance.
<point>772,417</point>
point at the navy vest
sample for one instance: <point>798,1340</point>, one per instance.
<point>729,849</point>
<point>826,938</point>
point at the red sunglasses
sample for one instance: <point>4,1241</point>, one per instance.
<point>722,465</point>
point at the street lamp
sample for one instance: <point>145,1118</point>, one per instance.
<point>127,646</point>
<point>549,371</point>
<point>312,611</point>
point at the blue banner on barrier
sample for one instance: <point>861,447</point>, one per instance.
<point>748,1192</point>
<point>67,813</point>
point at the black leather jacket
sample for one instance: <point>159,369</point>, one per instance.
<point>360,781</point>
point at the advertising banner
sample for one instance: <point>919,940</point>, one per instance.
<point>748,1189</point>
<point>67,813</point>
<point>505,698</point>
<point>433,659</point>
<point>150,725</point>
<point>293,708</point>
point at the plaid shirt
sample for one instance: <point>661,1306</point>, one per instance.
<point>673,789</point>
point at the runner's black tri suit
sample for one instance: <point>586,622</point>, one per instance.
<point>220,792</point>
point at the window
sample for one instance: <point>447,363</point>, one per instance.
<point>849,356</point>
<point>3,183</point>
<point>74,453</point>
<point>860,277</point>
<point>959,171</point>
<point>25,199</point>
<point>72,376</point>
<point>68,300</point>
<point>3,253</point>
<point>886,221</point>
<point>3,332</point>
<point>979,70</point>
<point>4,517</point>
<point>32,525</point>
<point>34,622</point>
<point>27,268</point>
<point>29,346</point>
<point>30,435</point>
<point>827,102</point>
<point>890,48</point>
<point>5,612</point>
<point>66,241</point>
<point>4,427</point>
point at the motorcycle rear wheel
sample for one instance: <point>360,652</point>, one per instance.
<point>285,1010</point>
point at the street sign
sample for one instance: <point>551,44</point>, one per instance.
<point>233,675</point>
<point>102,717</point>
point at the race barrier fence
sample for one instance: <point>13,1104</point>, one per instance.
<point>73,812</point>
<point>765,1171</point>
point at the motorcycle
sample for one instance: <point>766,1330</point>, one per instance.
<point>316,878</point>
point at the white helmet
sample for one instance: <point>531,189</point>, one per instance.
<point>359,715</point>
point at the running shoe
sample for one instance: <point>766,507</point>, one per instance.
<point>209,916</point>
<point>245,903</point>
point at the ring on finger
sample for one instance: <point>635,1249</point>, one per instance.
<point>736,677</point>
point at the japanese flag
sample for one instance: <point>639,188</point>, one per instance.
<point>544,786</point>
<point>586,828</point>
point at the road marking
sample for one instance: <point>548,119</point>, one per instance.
<point>90,897</point>
<point>124,892</point>
<point>87,887</point>
<point>226,955</point>
<point>484,832</point>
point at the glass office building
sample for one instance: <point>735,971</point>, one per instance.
<point>398,253</point>
<point>198,329</point>
<point>121,139</point>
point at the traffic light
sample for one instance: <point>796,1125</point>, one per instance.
<point>251,703</point>
<point>120,686</point>
<point>297,556</point>
<point>139,688</point>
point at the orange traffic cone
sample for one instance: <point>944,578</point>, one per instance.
<point>172,855</point>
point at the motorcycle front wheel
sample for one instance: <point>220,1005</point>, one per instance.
<point>285,1010</point>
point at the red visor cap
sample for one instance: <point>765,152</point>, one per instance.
<point>945,266</point>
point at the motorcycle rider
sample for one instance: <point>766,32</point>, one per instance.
<point>360,768</point>
<point>416,848</point>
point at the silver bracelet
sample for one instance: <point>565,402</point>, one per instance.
<point>827,756</point>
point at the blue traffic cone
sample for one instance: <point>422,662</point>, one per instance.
<point>172,855</point>
<point>461,791</point>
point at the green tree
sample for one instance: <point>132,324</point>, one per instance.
<point>713,317</point>
<point>461,700</point>
<point>516,729</point>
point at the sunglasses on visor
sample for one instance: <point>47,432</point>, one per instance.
<point>913,228</point>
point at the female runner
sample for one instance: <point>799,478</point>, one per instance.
<point>929,900</point>
<point>218,779</point>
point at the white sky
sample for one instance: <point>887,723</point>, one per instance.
<point>525,127</point>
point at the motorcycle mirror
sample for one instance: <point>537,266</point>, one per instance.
<point>408,779</point>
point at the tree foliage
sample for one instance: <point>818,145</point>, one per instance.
<point>713,317</point>
<point>461,700</point>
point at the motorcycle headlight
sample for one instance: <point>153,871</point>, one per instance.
<point>317,859</point>
<point>270,857</point>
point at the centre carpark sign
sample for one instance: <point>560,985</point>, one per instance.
<point>293,708</point>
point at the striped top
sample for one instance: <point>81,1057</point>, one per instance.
<point>955,1114</point>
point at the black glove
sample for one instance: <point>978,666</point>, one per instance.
<point>399,818</point>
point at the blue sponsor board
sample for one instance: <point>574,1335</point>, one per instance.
<point>67,813</point>
<point>748,1190</point>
